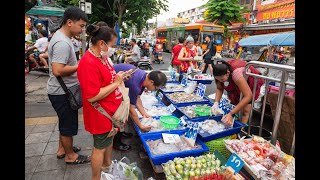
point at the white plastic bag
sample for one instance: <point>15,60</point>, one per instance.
<point>106,176</point>
<point>191,86</point>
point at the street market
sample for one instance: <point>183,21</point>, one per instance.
<point>141,119</point>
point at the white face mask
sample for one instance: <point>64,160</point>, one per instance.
<point>111,51</point>
<point>104,54</point>
<point>226,83</point>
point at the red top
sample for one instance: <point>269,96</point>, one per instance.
<point>186,54</point>
<point>238,68</point>
<point>93,75</point>
<point>176,50</point>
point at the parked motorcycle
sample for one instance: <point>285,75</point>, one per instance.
<point>143,64</point>
<point>157,53</point>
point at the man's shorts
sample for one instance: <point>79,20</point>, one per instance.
<point>207,60</point>
<point>68,118</point>
<point>36,54</point>
<point>101,141</point>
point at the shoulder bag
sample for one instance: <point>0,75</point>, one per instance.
<point>73,93</point>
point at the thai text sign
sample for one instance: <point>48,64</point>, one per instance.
<point>281,10</point>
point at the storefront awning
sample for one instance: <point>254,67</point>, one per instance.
<point>276,39</point>
<point>269,26</point>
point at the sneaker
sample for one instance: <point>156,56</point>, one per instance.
<point>121,146</point>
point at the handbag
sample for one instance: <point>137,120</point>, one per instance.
<point>73,94</point>
<point>121,115</point>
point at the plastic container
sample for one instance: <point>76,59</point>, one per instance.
<point>168,101</point>
<point>159,159</point>
<point>169,122</point>
<point>156,132</point>
<point>202,111</point>
<point>174,82</point>
<point>179,113</point>
<point>205,137</point>
<point>218,144</point>
<point>201,81</point>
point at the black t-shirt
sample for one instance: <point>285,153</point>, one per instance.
<point>212,51</point>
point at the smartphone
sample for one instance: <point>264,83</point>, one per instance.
<point>134,70</point>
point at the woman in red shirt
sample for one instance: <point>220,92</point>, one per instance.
<point>99,83</point>
<point>175,53</point>
<point>232,73</point>
<point>187,54</point>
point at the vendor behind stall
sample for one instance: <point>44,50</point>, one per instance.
<point>137,83</point>
<point>229,76</point>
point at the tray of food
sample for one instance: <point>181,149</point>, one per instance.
<point>158,126</point>
<point>160,152</point>
<point>262,160</point>
<point>182,98</point>
<point>173,87</point>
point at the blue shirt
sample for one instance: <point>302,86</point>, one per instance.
<point>134,83</point>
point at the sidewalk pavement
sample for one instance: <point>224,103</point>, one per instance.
<point>41,142</point>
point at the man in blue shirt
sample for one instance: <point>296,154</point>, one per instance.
<point>139,80</point>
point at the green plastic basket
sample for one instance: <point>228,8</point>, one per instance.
<point>218,144</point>
<point>169,122</point>
<point>202,111</point>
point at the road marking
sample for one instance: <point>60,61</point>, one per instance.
<point>45,120</point>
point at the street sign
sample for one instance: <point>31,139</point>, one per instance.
<point>235,162</point>
<point>88,8</point>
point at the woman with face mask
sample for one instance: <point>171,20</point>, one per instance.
<point>99,83</point>
<point>229,76</point>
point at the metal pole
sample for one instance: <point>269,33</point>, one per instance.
<point>83,35</point>
<point>293,144</point>
<point>264,106</point>
<point>284,78</point>
<point>252,101</point>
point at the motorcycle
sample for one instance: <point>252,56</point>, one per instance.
<point>143,64</point>
<point>30,65</point>
<point>157,54</point>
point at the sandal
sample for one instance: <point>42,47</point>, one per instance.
<point>80,160</point>
<point>75,149</point>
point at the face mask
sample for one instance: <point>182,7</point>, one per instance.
<point>226,83</point>
<point>104,54</point>
<point>111,51</point>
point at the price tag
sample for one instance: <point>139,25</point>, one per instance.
<point>183,121</point>
<point>170,138</point>
<point>201,90</point>
<point>171,108</point>
<point>160,95</point>
<point>184,81</point>
<point>235,162</point>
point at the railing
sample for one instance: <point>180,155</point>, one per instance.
<point>285,69</point>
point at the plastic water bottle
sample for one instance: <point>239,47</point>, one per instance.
<point>174,74</point>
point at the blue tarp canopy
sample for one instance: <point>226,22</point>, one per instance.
<point>46,11</point>
<point>276,39</point>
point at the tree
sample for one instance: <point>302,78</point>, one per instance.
<point>28,5</point>
<point>223,12</point>
<point>133,13</point>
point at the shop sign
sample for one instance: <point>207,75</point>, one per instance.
<point>171,108</point>
<point>276,11</point>
<point>268,31</point>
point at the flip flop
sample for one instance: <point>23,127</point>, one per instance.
<point>75,149</point>
<point>80,160</point>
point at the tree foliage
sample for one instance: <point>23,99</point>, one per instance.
<point>223,12</point>
<point>133,13</point>
<point>28,5</point>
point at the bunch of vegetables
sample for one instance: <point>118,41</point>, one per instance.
<point>203,167</point>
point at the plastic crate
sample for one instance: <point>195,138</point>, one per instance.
<point>219,145</point>
<point>167,101</point>
<point>205,137</point>
<point>175,82</point>
<point>179,113</point>
<point>164,131</point>
<point>201,81</point>
<point>159,159</point>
